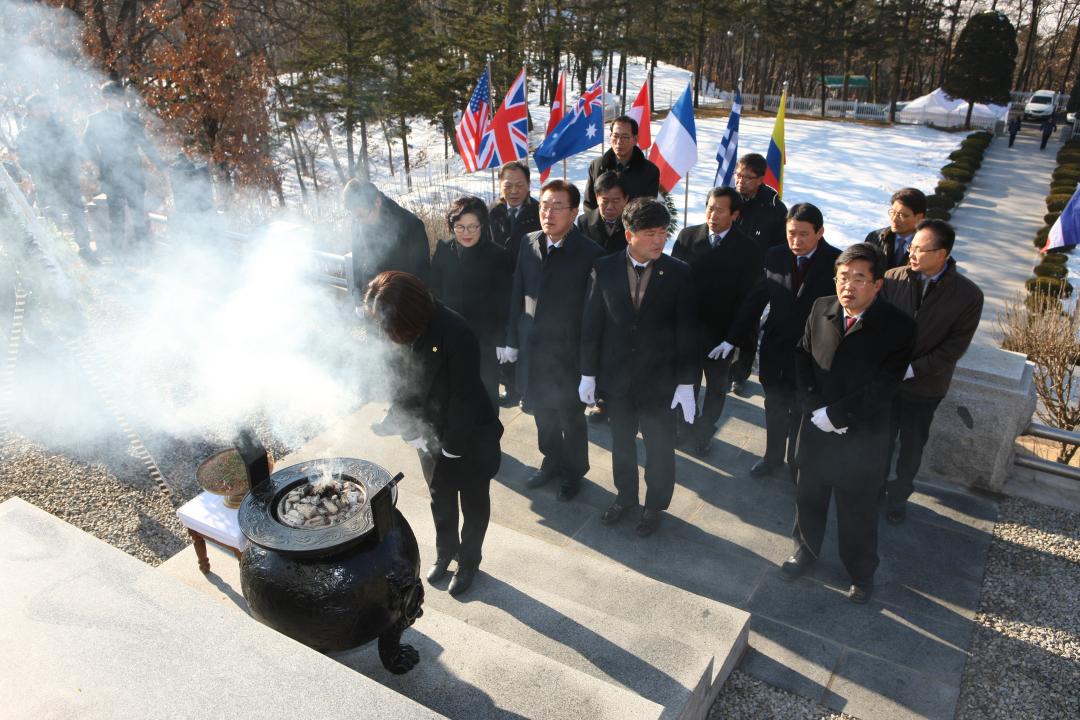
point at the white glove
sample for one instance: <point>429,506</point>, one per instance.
<point>510,355</point>
<point>684,395</point>
<point>586,389</point>
<point>499,355</point>
<point>820,418</point>
<point>450,455</point>
<point>910,373</point>
<point>418,443</point>
<point>721,351</point>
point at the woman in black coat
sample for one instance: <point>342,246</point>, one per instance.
<point>442,410</point>
<point>471,274</point>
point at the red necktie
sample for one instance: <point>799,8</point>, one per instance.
<point>848,322</point>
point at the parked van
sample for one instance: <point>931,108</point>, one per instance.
<point>1040,106</point>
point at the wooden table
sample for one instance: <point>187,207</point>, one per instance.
<point>206,518</point>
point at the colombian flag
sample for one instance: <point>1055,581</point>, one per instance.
<point>776,159</point>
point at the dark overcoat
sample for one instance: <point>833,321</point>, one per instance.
<point>444,401</point>
<point>788,307</point>
<point>763,219</point>
<point>945,321</point>
<point>853,375</point>
<point>547,300</point>
<point>641,176</point>
<point>884,239</point>
<point>475,283</point>
<point>397,240</point>
<point>507,234</point>
<point>591,222</point>
<point>646,352</point>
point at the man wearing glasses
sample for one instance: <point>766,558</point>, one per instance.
<point>907,209</point>
<point>641,177</point>
<point>763,215</point>
<point>946,307</point>
<point>546,306</point>
<point>850,360</point>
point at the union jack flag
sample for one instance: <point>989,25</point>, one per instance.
<point>474,124</point>
<point>507,139</point>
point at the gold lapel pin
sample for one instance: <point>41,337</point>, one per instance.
<point>661,272</point>
<point>434,349</point>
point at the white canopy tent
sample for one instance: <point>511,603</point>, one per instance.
<point>938,109</point>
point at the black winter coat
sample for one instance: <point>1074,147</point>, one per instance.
<point>547,301</point>
<point>444,401</point>
<point>853,376</point>
<point>592,224</point>
<point>640,354</point>
<point>763,219</point>
<point>397,240</point>
<point>788,308</point>
<point>723,278</point>
<point>641,176</point>
<point>884,239</point>
<point>475,283</point>
<point>508,235</point>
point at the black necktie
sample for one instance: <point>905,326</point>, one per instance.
<point>800,263</point>
<point>640,270</point>
<point>715,239</point>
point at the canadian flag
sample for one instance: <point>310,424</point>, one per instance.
<point>556,115</point>
<point>640,112</point>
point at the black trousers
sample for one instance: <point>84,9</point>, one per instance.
<point>475,503</point>
<point>909,430</point>
<point>489,372</point>
<point>657,424</point>
<point>564,441</point>
<point>782,417</point>
<point>131,196</point>
<point>856,521</point>
<point>1012,139</point>
<point>1045,139</point>
<point>508,377</point>
<point>717,381</point>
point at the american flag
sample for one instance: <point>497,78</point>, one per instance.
<point>507,139</point>
<point>474,124</point>
<point>728,151</point>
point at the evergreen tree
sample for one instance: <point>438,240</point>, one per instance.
<point>982,67</point>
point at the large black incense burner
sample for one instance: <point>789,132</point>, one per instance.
<point>331,562</point>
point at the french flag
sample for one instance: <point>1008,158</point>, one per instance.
<point>675,148</point>
<point>1066,229</point>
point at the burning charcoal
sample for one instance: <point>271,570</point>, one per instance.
<point>307,511</point>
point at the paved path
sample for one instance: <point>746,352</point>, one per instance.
<point>997,220</point>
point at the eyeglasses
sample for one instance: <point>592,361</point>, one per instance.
<point>466,228</point>
<point>856,281</point>
<point>553,207</point>
<point>744,176</point>
<point>900,215</point>
<point>917,250</point>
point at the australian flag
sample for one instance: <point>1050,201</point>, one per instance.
<point>579,130</point>
<point>508,137</point>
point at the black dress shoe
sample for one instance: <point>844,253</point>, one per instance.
<point>538,478</point>
<point>462,580</point>
<point>568,489</point>
<point>701,448</point>
<point>859,593</point>
<point>650,520</point>
<point>741,388</point>
<point>437,571</point>
<point>797,564</point>
<point>598,415</point>
<point>613,513</point>
<point>509,400</point>
<point>761,468</point>
<point>896,515</point>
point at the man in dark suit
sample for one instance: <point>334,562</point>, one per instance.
<point>906,210</point>
<point>725,265</point>
<point>642,178</point>
<point>796,274</point>
<point>763,215</point>
<point>848,364</point>
<point>385,236</point>
<point>946,307</point>
<point>546,305</point>
<point>515,215</point>
<point>638,352</point>
<point>604,224</point>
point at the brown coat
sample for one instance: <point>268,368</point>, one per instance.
<point>945,323</point>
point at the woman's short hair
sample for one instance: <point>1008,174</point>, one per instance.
<point>465,205</point>
<point>400,305</point>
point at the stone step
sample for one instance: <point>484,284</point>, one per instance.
<point>88,631</point>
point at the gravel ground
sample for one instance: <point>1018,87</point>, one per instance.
<point>744,696</point>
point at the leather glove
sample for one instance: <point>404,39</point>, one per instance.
<point>450,455</point>
<point>721,351</point>
<point>510,355</point>
<point>684,396</point>
<point>586,389</point>
<point>418,443</point>
<point>910,373</point>
<point>820,418</point>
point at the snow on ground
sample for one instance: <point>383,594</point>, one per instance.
<point>847,169</point>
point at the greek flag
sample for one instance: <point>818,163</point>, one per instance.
<point>728,152</point>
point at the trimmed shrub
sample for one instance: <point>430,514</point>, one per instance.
<point>937,213</point>
<point>979,144</point>
<point>1064,187</point>
<point>1056,203</point>
<point>1066,172</point>
<point>956,172</point>
<point>984,134</point>
<point>1040,235</point>
<point>1053,270</point>
<point>937,200</point>
<point>1068,156</point>
<point>1056,257</point>
<point>1049,218</point>
<point>952,188</point>
<point>964,165</point>
<point>966,156</point>
<point>1038,242</point>
<point>1049,286</point>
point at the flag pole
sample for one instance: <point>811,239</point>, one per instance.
<point>686,198</point>
<point>562,104</point>
<point>491,110</point>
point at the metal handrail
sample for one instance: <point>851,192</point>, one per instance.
<point>1046,432</point>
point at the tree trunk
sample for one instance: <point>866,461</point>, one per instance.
<point>365,162</point>
<point>943,78</point>
<point>898,69</point>
<point>1072,59</point>
<point>297,162</point>
<point>967,120</point>
<point>328,138</point>
<point>402,121</point>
